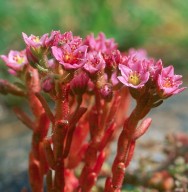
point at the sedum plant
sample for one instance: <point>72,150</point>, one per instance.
<point>90,83</point>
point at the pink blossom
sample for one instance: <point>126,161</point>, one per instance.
<point>168,83</point>
<point>64,38</point>
<point>140,53</point>
<point>70,59</point>
<point>112,59</point>
<point>94,63</point>
<point>148,64</point>
<point>52,38</point>
<point>100,43</point>
<point>136,56</point>
<point>134,75</point>
<point>15,60</point>
<point>35,41</point>
<point>59,40</point>
<point>154,68</point>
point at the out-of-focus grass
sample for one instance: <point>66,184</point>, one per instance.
<point>159,26</point>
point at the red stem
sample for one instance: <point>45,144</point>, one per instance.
<point>60,131</point>
<point>58,141</point>
<point>75,118</point>
<point>126,143</point>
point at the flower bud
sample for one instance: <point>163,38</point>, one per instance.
<point>106,92</point>
<point>48,84</point>
<point>79,83</point>
<point>31,58</point>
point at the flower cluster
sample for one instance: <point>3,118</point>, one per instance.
<point>98,58</point>
<point>138,71</point>
<point>90,81</point>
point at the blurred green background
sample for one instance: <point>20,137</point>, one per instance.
<point>161,27</point>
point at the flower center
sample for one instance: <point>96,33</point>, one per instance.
<point>35,39</point>
<point>134,78</point>
<point>19,59</point>
<point>69,58</point>
<point>167,82</point>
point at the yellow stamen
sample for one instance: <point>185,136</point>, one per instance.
<point>67,57</point>
<point>167,83</point>
<point>36,39</point>
<point>134,78</point>
<point>19,59</point>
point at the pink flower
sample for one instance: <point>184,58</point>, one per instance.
<point>50,40</point>
<point>59,40</point>
<point>140,53</point>
<point>112,59</point>
<point>153,67</point>
<point>70,58</point>
<point>134,75</point>
<point>100,43</point>
<point>94,63</point>
<point>15,60</point>
<point>136,56</point>
<point>168,83</point>
<point>35,41</point>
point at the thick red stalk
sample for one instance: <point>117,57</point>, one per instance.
<point>99,162</point>
<point>60,131</point>
<point>49,181</point>
<point>91,180</point>
<point>75,158</point>
<point>49,153</point>
<point>44,167</point>
<point>126,143</point>
<point>59,135</point>
<point>130,153</point>
<point>107,136</point>
<point>33,87</point>
<point>34,174</point>
<point>75,117</point>
<point>37,163</point>
<point>102,114</point>
<point>9,88</point>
